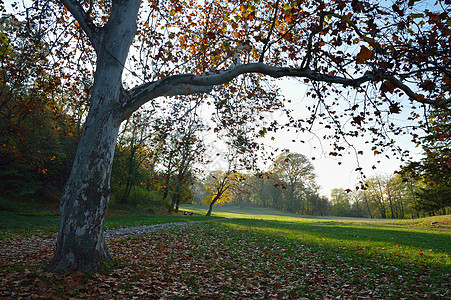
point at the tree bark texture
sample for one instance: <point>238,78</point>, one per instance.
<point>81,240</point>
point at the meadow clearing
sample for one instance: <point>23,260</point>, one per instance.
<point>238,253</point>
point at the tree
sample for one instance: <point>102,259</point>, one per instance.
<point>132,155</point>
<point>355,45</point>
<point>36,133</point>
<point>434,170</point>
<point>375,193</point>
<point>357,204</point>
<point>222,187</point>
<point>266,190</point>
<point>295,170</point>
<point>190,149</point>
<point>341,205</point>
<point>388,197</point>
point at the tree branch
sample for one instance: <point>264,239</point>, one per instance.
<point>77,11</point>
<point>266,46</point>
<point>412,95</point>
<point>187,84</point>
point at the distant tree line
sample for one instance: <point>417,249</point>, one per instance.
<point>290,185</point>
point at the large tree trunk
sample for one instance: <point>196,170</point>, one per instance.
<point>81,240</point>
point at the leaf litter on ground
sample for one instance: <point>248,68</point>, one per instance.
<point>216,261</point>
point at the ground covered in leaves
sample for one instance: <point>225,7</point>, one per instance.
<point>220,261</point>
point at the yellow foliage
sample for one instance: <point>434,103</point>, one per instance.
<point>224,198</point>
<point>221,187</point>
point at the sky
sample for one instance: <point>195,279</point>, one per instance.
<point>331,172</point>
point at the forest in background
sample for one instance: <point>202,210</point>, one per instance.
<point>159,156</point>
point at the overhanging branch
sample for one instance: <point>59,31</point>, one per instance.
<point>412,95</point>
<point>188,84</point>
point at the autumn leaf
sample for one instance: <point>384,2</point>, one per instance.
<point>358,120</point>
<point>372,42</point>
<point>387,86</point>
<point>364,55</point>
<point>396,9</point>
<point>394,108</point>
<point>427,85</point>
<point>211,35</point>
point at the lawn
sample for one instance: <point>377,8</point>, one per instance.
<point>45,223</point>
<point>247,253</point>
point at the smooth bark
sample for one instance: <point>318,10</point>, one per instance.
<point>81,240</point>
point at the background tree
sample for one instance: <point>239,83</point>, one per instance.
<point>190,150</point>
<point>295,171</point>
<point>38,129</point>
<point>434,170</point>
<point>266,190</point>
<point>341,204</point>
<point>129,163</point>
<point>222,187</point>
<point>357,199</point>
<point>388,197</point>
<point>375,193</point>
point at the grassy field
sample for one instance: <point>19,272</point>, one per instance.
<point>45,223</point>
<point>244,253</point>
<point>403,239</point>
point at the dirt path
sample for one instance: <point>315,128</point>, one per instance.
<point>120,232</point>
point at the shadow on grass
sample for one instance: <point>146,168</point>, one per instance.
<point>354,235</point>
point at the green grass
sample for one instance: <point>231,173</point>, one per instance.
<point>45,223</point>
<point>242,212</point>
<point>411,241</point>
<point>255,250</point>
<point>331,258</point>
<point>398,243</point>
<point>14,223</point>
